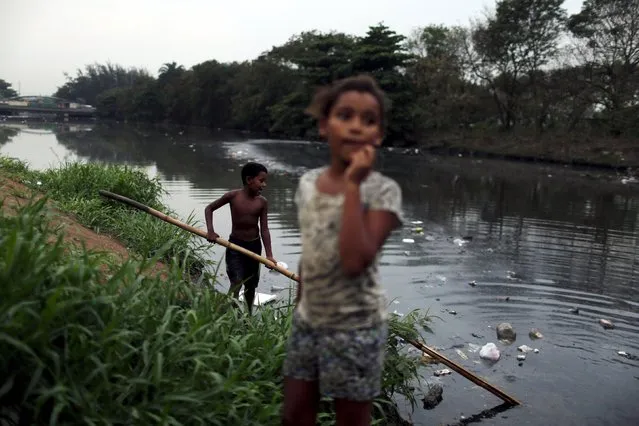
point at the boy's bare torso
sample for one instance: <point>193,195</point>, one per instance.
<point>245,215</point>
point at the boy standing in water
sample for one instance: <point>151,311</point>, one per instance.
<point>346,211</point>
<point>248,206</point>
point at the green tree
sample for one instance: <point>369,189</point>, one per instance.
<point>6,91</point>
<point>317,59</point>
<point>512,47</point>
<point>98,78</point>
<point>382,54</point>
<point>445,100</point>
<point>607,32</point>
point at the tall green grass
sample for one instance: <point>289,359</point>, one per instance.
<point>75,187</point>
<point>84,345</point>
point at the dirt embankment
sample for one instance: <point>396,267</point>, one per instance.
<point>13,195</point>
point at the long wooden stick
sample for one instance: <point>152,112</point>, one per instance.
<point>441,358</point>
<point>198,232</point>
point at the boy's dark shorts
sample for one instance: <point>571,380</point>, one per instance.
<point>240,267</point>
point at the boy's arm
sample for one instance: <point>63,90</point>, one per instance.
<point>266,234</point>
<point>208,213</point>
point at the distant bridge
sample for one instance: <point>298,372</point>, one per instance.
<point>45,105</point>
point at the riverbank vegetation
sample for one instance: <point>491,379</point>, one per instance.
<point>75,186</point>
<point>91,338</point>
<point>526,79</point>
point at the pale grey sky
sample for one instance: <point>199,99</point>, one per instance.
<point>41,39</point>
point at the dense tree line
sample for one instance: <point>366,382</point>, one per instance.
<point>6,91</point>
<point>524,68</point>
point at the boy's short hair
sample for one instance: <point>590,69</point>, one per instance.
<point>250,170</point>
<point>326,97</point>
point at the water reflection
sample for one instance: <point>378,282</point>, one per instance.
<point>569,236</point>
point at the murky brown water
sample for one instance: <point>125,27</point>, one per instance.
<point>570,236</point>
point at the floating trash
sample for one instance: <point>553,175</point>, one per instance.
<point>535,334</point>
<point>417,222</point>
<point>443,372</point>
<point>408,240</point>
<point>606,324</point>
<point>461,354</point>
<point>472,348</point>
<point>418,230</point>
<point>525,349</point>
<point>472,283</point>
<point>536,350</point>
<point>427,359</point>
<point>281,265</point>
<point>512,275</point>
<point>460,242</point>
<point>521,357</point>
<point>490,352</point>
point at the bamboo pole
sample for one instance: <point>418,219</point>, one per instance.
<point>422,347</point>
<point>199,232</point>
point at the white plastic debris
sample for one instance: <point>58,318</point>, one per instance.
<point>536,350</point>
<point>472,348</point>
<point>490,352</point>
<point>606,324</point>
<point>525,349</point>
<point>459,242</point>
<point>443,372</point>
<point>417,222</point>
<point>521,357</point>
<point>282,265</point>
<point>461,354</point>
<point>408,240</point>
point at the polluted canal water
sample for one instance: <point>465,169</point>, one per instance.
<point>549,250</point>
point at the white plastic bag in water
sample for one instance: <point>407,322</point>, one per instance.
<point>490,352</point>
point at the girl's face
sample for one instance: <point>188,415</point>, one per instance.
<point>353,122</point>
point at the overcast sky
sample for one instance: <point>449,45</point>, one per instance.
<point>41,39</point>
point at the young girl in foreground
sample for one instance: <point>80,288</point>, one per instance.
<point>346,211</point>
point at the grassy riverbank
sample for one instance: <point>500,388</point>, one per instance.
<point>75,186</point>
<point>88,337</point>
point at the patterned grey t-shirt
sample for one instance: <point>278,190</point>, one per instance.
<point>330,298</point>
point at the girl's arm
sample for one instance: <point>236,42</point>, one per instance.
<point>363,232</point>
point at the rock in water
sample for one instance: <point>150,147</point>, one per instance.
<point>535,334</point>
<point>490,352</point>
<point>606,324</point>
<point>506,332</point>
<point>433,397</point>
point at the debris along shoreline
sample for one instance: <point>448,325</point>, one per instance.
<point>128,334</point>
<point>415,343</point>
